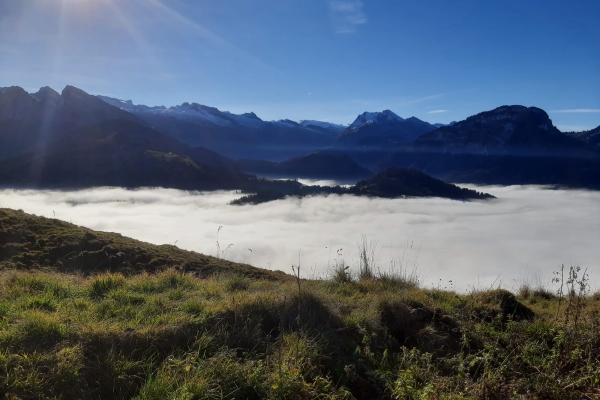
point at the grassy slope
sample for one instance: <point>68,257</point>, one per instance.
<point>31,242</point>
<point>234,331</point>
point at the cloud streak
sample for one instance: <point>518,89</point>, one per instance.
<point>437,111</point>
<point>346,16</point>
<point>528,231</point>
<point>578,110</point>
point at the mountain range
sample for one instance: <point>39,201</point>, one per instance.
<point>74,139</point>
<point>507,145</point>
<point>233,135</point>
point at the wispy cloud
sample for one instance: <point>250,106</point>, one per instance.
<point>347,15</point>
<point>437,111</point>
<point>578,110</point>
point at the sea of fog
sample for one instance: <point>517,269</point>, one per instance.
<point>522,237</point>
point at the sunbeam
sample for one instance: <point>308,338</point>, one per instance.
<point>147,51</point>
<point>178,21</point>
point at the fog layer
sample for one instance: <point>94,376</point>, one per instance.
<point>524,235</point>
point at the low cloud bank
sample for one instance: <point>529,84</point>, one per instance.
<point>523,236</point>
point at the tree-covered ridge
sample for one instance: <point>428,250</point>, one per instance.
<point>398,182</point>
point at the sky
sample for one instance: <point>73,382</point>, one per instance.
<point>521,237</point>
<point>314,59</point>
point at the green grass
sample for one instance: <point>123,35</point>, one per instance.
<point>171,335</point>
<point>234,333</point>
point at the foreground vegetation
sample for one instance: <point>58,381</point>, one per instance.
<point>237,333</point>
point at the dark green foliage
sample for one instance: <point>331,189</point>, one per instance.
<point>398,182</point>
<point>257,198</point>
<point>391,183</point>
<point>500,303</point>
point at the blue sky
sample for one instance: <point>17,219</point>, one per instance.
<point>314,59</point>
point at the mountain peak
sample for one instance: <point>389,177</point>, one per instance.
<point>504,128</point>
<point>375,117</point>
<point>48,94</point>
<point>251,115</point>
<point>509,113</point>
<point>288,122</point>
<point>14,90</point>
<point>73,92</point>
<point>321,124</point>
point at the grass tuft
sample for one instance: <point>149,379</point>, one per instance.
<point>101,285</point>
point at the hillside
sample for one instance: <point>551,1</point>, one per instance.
<point>314,165</point>
<point>591,138</point>
<point>167,323</point>
<point>391,183</point>
<point>402,182</point>
<point>117,154</point>
<point>28,242</point>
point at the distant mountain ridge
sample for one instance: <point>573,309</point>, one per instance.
<point>503,129</point>
<point>506,145</point>
<point>317,165</point>
<point>591,138</point>
<point>321,124</point>
<point>382,129</point>
<point>28,121</point>
<point>234,135</point>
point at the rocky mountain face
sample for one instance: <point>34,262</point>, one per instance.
<point>507,145</point>
<point>506,129</point>
<point>382,129</point>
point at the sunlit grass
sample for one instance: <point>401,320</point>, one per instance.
<point>183,326</point>
<point>170,335</point>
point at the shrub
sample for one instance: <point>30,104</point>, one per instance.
<point>236,283</point>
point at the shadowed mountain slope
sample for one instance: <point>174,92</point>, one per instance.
<point>29,121</point>
<point>591,138</point>
<point>506,129</point>
<point>315,165</point>
<point>118,153</point>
